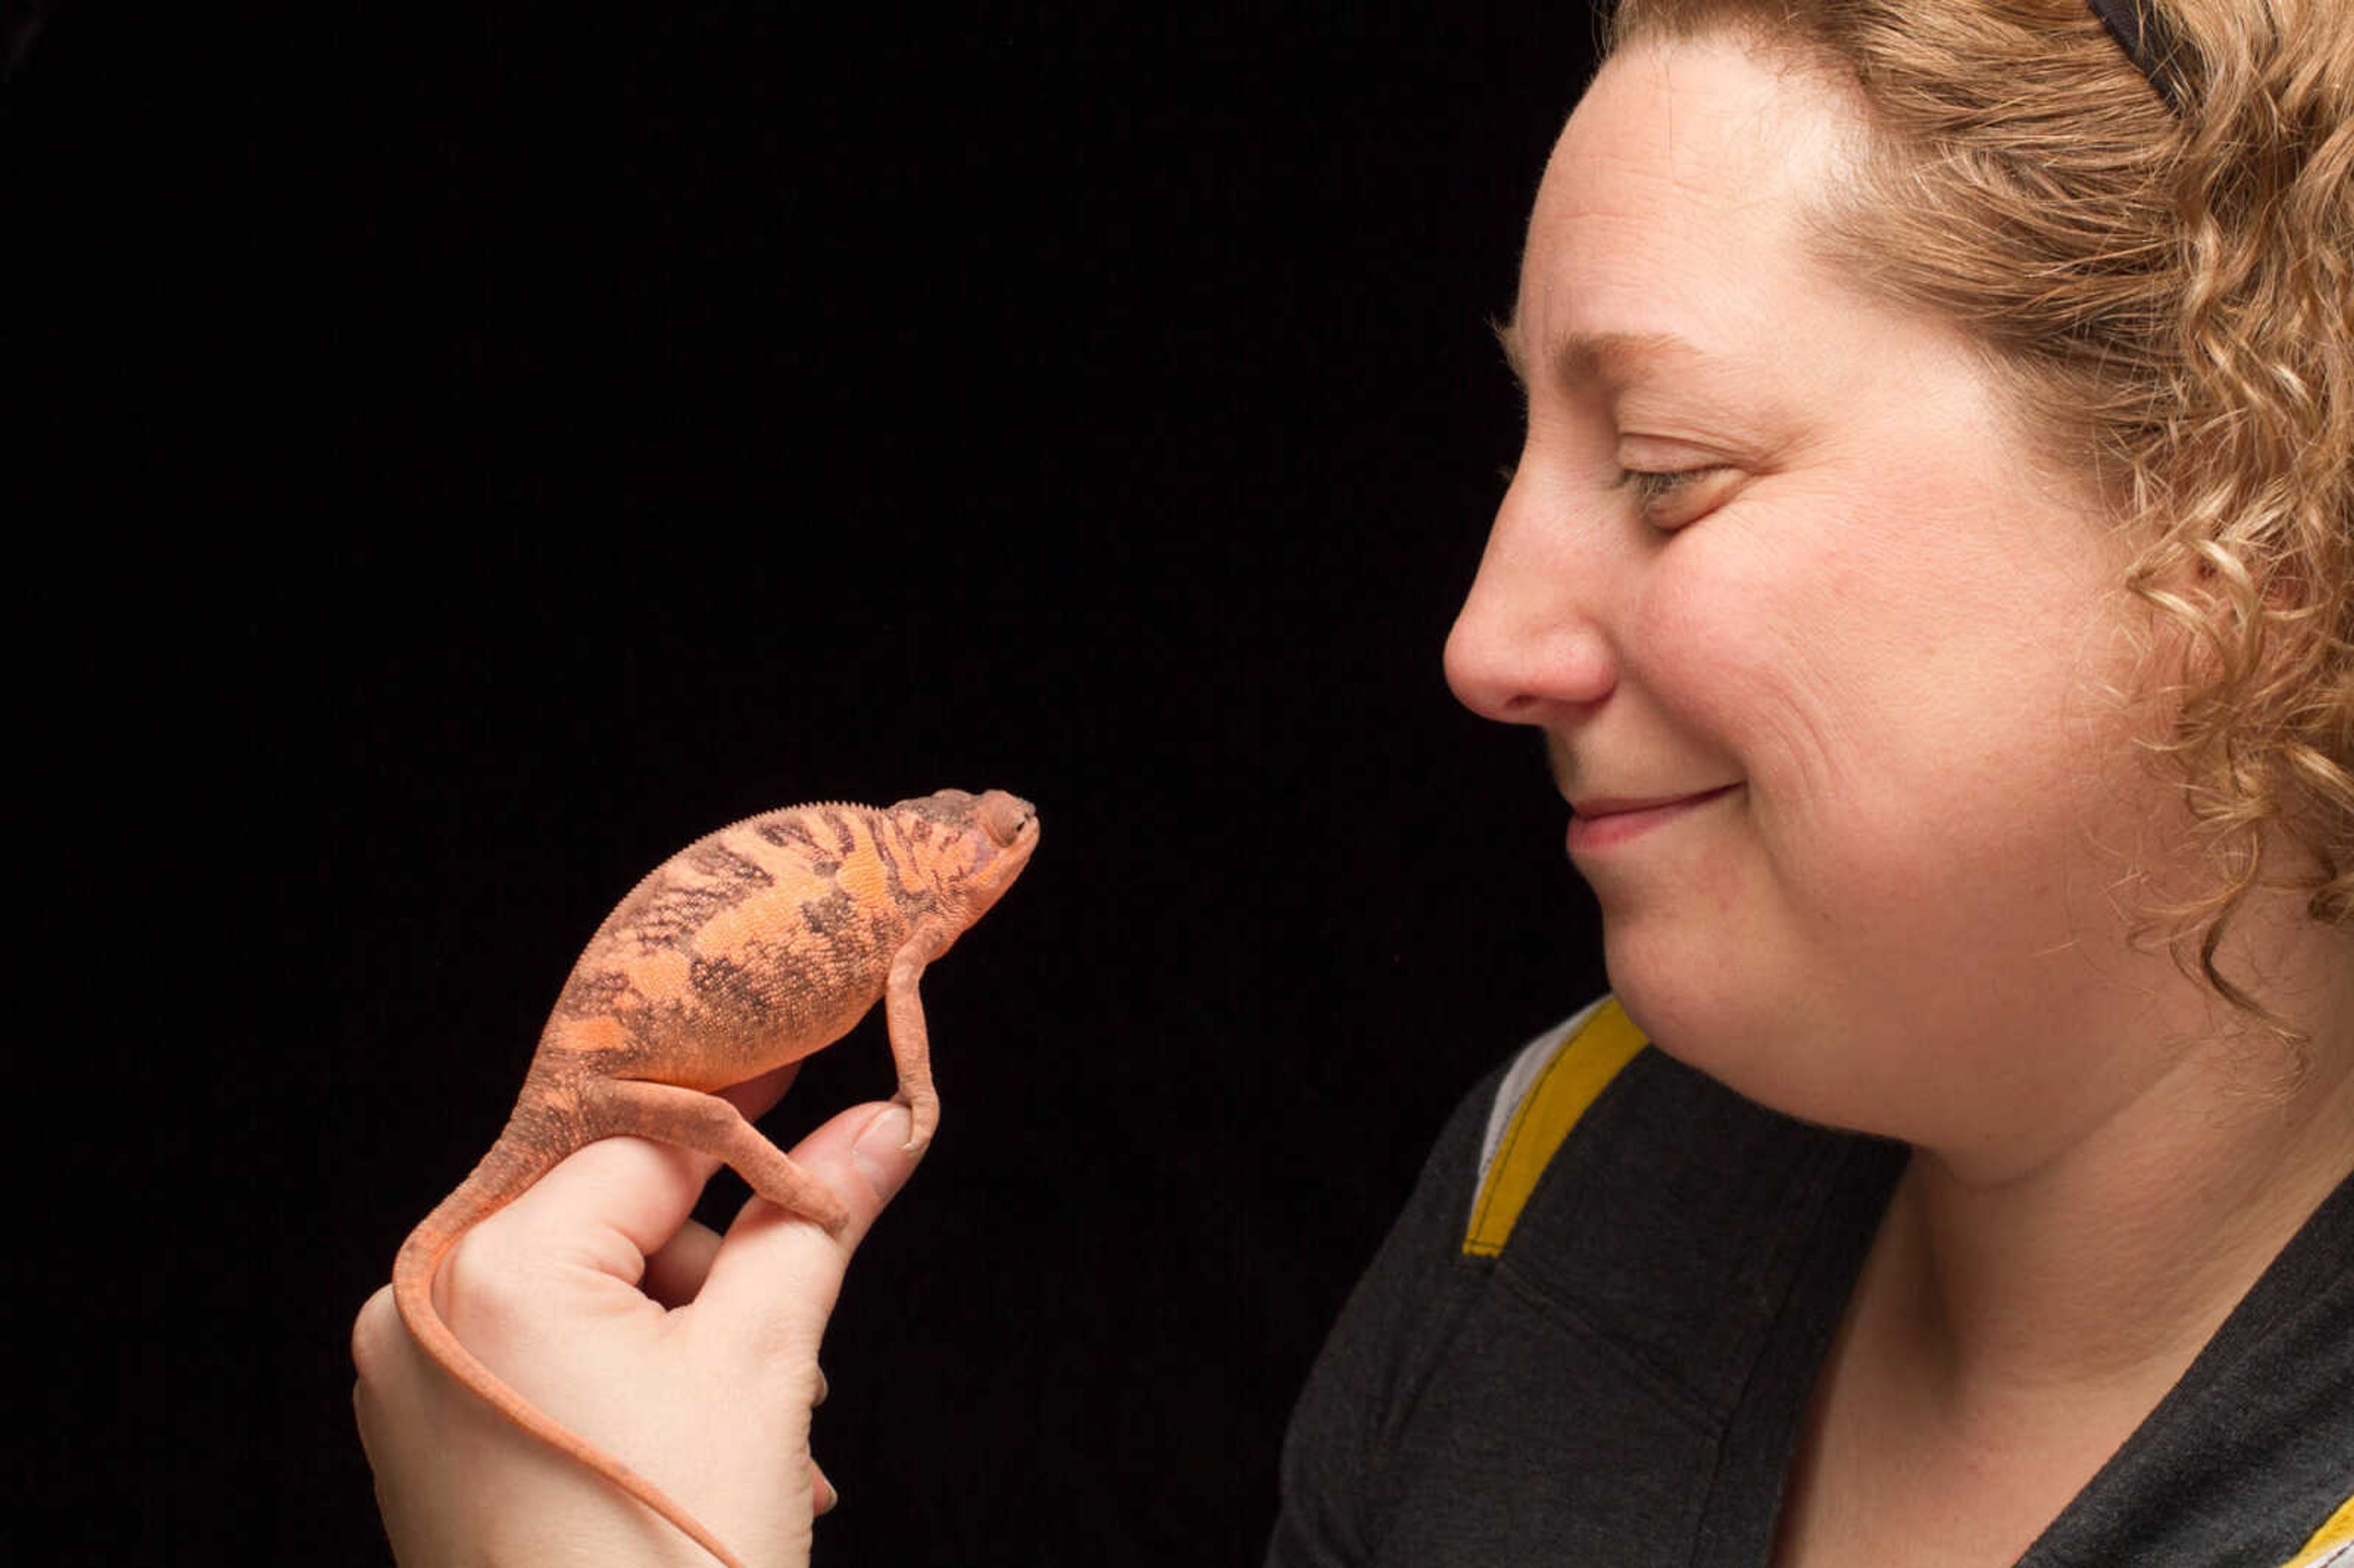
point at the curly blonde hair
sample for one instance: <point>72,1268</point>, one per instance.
<point>2169,297</point>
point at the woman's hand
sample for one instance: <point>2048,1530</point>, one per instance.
<point>690,1356</point>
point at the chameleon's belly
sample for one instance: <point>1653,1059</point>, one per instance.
<point>765,975</point>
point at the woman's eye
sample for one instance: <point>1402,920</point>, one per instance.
<point>1667,498</point>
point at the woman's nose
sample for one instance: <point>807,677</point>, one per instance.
<point>1528,646</point>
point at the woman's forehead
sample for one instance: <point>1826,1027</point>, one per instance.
<point>1684,182</point>
<point>1715,96</point>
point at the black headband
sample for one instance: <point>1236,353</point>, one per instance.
<point>2142,33</point>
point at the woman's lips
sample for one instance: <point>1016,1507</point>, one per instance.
<point>1604,821</point>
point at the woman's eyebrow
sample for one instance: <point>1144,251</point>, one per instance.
<point>1590,357</point>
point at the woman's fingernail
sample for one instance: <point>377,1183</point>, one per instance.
<point>877,1150</point>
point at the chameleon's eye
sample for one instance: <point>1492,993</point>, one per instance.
<point>1002,817</point>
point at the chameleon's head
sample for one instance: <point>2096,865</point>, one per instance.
<point>990,839</point>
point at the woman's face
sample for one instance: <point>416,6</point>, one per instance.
<point>1776,565</point>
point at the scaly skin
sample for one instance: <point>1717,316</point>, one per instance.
<point>751,948</point>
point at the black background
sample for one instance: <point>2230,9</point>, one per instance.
<point>470,451</point>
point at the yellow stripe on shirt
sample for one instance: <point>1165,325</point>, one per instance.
<point>2335,1536</point>
<point>1580,1070</point>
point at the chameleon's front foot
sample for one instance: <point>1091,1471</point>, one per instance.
<point>923,1117</point>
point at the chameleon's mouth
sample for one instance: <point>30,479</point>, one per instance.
<point>1015,855</point>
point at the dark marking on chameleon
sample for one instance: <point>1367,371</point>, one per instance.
<point>594,993</point>
<point>732,995</point>
<point>844,840</point>
<point>726,864</point>
<point>922,892</point>
<point>788,833</point>
<point>830,915</point>
<point>894,874</point>
<point>671,915</point>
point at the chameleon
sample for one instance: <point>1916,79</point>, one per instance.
<point>756,946</point>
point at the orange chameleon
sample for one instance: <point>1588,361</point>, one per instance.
<point>754,947</point>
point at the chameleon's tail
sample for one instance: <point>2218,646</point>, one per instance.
<point>504,1172</point>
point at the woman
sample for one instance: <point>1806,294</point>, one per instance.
<point>1929,565</point>
<point>1929,570</point>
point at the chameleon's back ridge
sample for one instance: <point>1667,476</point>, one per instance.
<point>754,947</point>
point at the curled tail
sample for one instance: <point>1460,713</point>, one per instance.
<point>505,1172</point>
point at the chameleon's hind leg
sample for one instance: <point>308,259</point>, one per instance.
<point>709,1125</point>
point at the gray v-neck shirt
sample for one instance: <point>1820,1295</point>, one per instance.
<point>1622,1386</point>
